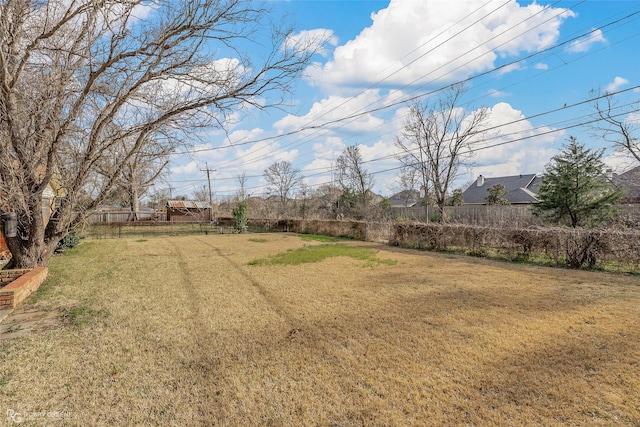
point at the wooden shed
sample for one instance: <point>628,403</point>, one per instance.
<point>188,211</point>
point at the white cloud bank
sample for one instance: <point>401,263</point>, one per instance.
<point>334,109</point>
<point>519,148</point>
<point>585,43</point>
<point>423,41</point>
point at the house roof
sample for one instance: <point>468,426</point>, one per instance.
<point>187,204</point>
<point>405,198</point>
<point>520,189</point>
<point>629,182</point>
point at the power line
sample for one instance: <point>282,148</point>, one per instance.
<point>501,125</point>
<point>502,143</point>
<point>326,125</point>
<point>413,98</point>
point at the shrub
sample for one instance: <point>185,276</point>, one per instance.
<point>240,217</point>
<point>69,241</point>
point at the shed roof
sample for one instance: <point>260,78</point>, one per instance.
<point>187,204</point>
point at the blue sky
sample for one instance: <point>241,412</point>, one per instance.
<point>380,53</point>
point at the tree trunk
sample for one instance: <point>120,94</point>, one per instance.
<point>441,212</point>
<point>36,249</point>
<point>134,202</point>
<point>30,253</point>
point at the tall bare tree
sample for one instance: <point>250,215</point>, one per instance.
<point>615,126</point>
<point>283,179</point>
<point>142,169</point>
<point>80,78</point>
<point>408,182</point>
<point>242,186</point>
<point>436,140</point>
<point>201,194</point>
<point>354,179</point>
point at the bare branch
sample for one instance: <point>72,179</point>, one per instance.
<point>89,90</point>
<point>620,130</point>
<point>436,139</point>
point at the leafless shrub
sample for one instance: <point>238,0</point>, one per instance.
<point>576,248</point>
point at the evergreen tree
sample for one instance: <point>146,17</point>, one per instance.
<point>240,216</point>
<point>574,189</point>
<point>457,198</point>
<point>497,195</point>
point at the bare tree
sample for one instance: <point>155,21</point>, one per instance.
<point>436,140</point>
<point>201,194</point>
<point>328,196</point>
<point>407,181</point>
<point>80,79</point>
<point>305,193</point>
<point>614,125</point>
<point>142,169</point>
<point>283,179</point>
<point>242,186</point>
<point>355,181</point>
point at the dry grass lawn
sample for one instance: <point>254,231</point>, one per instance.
<point>184,331</point>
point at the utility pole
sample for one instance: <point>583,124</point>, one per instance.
<point>208,171</point>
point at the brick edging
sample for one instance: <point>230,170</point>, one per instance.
<point>23,286</point>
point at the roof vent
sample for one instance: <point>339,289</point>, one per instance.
<point>480,181</point>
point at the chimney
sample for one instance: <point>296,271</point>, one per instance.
<point>480,181</point>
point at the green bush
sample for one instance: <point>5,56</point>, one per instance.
<point>240,217</point>
<point>69,241</point>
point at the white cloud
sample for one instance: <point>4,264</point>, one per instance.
<point>518,149</point>
<point>616,84</point>
<point>336,108</point>
<point>633,118</point>
<point>256,156</point>
<point>405,30</point>
<point>312,40</point>
<point>379,150</point>
<point>494,93</point>
<point>620,161</point>
<point>188,168</point>
<point>541,66</point>
<point>509,69</point>
<point>585,43</point>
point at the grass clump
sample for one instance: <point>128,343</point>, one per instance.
<point>258,240</point>
<point>318,238</point>
<point>309,254</point>
<point>77,316</point>
<point>4,379</point>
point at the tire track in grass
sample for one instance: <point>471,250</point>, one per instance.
<point>272,302</point>
<point>187,281</point>
<point>205,364</point>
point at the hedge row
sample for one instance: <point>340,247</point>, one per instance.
<point>575,248</point>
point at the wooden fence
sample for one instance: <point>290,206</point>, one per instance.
<point>121,215</point>
<point>499,216</point>
<point>518,216</point>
